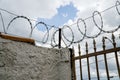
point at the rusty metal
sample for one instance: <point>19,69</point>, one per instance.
<point>80,62</point>
<point>105,59</point>
<point>116,56</point>
<point>88,65</point>
<point>95,54</point>
<point>21,39</point>
<point>73,66</point>
<point>71,57</point>
<point>96,60</point>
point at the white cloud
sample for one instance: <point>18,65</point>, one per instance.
<point>33,8</point>
<point>83,4</point>
<point>30,8</point>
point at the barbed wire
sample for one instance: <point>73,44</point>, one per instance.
<point>84,33</point>
<point>27,17</point>
<point>67,41</point>
<point>48,27</point>
<point>116,4</point>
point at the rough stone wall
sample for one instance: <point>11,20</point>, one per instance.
<point>23,61</point>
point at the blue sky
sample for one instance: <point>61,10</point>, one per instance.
<point>64,13</point>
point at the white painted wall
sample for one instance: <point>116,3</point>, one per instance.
<point>23,61</point>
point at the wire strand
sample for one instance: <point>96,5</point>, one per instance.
<point>66,39</point>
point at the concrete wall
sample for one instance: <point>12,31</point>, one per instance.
<point>23,61</point>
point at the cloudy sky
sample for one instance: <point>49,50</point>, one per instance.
<point>58,13</point>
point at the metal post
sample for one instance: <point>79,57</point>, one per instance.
<point>73,64</point>
<point>105,59</point>
<point>116,55</point>
<point>60,37</point>
<point>88,63</point>
<point>96,60</point>
<point>80,62</point>
<point>71,57</point>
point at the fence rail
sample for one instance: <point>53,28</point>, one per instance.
<point>96,54</point>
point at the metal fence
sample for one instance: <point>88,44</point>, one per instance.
<point>104,52</point>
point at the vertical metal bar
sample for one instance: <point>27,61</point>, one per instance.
<point>88,65</point>
<point>60,37</point>
<point>117,63</point>
<point>80,62</point>
<point>116,55</point>
<point>71,57</point>
<point>73,65</point>
<point>105,59</point>
<point>96,60</point>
